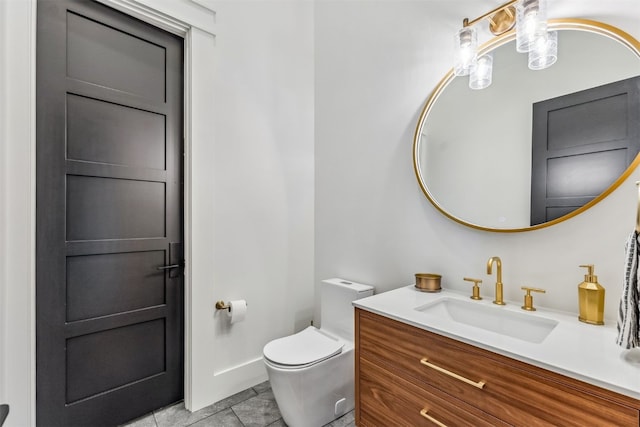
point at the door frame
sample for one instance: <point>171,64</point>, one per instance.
<point>195,22</point>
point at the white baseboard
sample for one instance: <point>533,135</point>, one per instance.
<point>231,381</point>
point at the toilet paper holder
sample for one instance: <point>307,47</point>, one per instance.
<point>221,305</point>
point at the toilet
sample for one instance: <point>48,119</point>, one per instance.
<point>312,372</point>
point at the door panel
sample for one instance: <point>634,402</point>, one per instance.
<point>109,324</point>
<point>135,352</point>
<point>107,208</point>
<point>111,57</point>
<point>105,284</point>
<point>584,174</point>
<point>601,119</point>
<point>105,132</point>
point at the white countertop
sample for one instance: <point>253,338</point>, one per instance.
<point>573,348</point>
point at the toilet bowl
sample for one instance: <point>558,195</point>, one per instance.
<point>312,372</point>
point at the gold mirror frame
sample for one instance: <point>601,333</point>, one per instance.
<point>554,24</point>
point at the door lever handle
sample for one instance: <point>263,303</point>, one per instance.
<point>169,267</point>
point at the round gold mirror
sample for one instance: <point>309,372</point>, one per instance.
<point>477,153</point>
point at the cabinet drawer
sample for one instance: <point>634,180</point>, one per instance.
<point>388,400</point>
<point>515,392</point>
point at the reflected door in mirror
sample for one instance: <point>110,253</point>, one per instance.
<point>581,143</point>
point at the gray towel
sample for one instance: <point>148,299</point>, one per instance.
<point>629,312</point>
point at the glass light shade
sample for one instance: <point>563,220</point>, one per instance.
<point>481,75</point>
<point>465,51</point>
<point>544,51</point>
<point>531,23</point>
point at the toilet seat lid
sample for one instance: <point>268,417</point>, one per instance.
<point>305,348</point>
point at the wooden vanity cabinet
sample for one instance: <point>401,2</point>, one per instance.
<point>406,376</point>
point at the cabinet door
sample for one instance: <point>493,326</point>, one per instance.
<point>387,399</point>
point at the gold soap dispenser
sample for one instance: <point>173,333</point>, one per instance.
<point>591,298</point>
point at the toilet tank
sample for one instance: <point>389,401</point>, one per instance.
<point>336,310</point>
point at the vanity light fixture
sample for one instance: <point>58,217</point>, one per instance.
<point>529,17</point>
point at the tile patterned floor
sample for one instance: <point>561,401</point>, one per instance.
<point>253,407</point>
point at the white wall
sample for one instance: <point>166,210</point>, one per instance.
<point>262,248</point>
<point>250,190</point>
<point>376,63</point>
<point>17,234</point>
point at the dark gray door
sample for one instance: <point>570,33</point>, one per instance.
<point>109,216</point>
<point>582,143</point>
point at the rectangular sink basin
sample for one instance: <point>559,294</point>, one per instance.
<point>496,319</point>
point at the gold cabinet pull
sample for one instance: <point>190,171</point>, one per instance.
<point>479,384</point>
<point>430,418</point>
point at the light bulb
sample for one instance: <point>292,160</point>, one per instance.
<point>544,51</point>
<point>466,44</point>
<point>531,23</point>
<point>481,75</point>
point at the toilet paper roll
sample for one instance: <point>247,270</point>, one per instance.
<point>238,310</point>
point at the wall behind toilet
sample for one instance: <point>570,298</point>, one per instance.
<point>262,248</point>
<point>375,64</point>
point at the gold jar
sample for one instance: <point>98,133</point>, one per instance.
<point>428,282</point>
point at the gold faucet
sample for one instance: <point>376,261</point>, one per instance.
<point>498,262</point>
